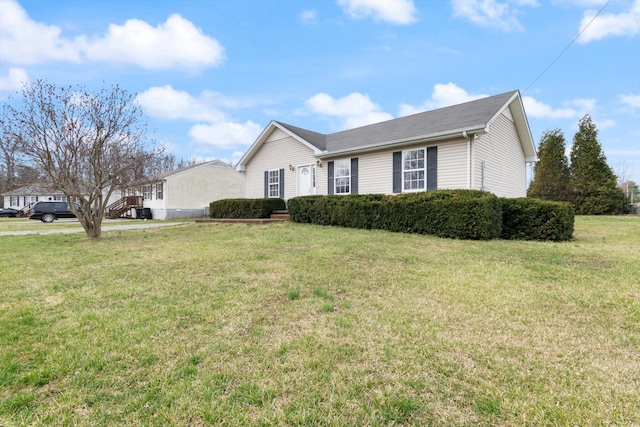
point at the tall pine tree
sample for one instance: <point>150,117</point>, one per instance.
<point>551,177</point>
<point>593,183</point>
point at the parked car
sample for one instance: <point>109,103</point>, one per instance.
<point>9,212</point>
<point>50,211</point>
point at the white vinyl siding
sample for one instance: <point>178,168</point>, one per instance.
<point>278,152</point>
<point>452,164</point>
<point>375,173</point>
<point>375,169</point>
<point>193,189</point>
<point>504,160</point>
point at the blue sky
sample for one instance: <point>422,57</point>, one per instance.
<point>210,75</point>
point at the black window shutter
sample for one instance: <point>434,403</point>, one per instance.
<point>397,171</point>
<point>432,168</point>
<point>330,174</point>
<point>282,183</point>
<point>266,184</point>
<point>354,175</point>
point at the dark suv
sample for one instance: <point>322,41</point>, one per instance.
<point>50,211</point>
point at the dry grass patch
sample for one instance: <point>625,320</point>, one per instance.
<point>197,325</point>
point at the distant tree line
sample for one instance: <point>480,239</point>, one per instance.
<point>586,182</point>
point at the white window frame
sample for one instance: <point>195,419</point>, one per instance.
<point>59,198</point>
<point>413,174</point>
<point>274,183</point>
<point>146,192</point>
<point>14,200</point>
<point>159,191</point>
<point>342,176</point>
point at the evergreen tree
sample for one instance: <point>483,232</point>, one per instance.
<point>593,183</point>
<point>551,178</point>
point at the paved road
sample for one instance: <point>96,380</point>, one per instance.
<point>105,227</point>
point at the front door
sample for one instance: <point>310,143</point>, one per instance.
<point>306,180</point>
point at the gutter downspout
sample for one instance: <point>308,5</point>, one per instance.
<point>468,138</point>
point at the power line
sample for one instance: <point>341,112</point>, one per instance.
<point>569,45</point>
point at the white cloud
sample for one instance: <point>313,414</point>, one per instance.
<point>14,80</point>
<point>606,124</point>
<point>225,135</point>
<point>582,3</point>
<point>538,109</point>
<point>219,131</point>
<point>583,105</point>
<point>308,16</point>
<point>572,109</point>
<point>610,24</point>
<point>443,95</point>
<point>402,12</point>
<point>167,103</point>
<point>354,110</point>
<point>630,100</point>
<point>23,41</point>
<point>176,43</point>
<point>492,13</point>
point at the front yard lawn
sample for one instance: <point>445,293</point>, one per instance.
<point>293,324</point>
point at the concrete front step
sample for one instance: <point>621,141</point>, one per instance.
<point>281,214</point>
<point>276,216</point>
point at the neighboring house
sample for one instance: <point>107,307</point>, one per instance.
<point>483,144</point>
<point>26,196</point>
<point>187,192</point>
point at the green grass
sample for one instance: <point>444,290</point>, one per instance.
<point>195,325</point>
<point>25,224</point>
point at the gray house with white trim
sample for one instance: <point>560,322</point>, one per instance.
<point>483,144</point>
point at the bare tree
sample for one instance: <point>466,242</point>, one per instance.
<point>9,153</point>
<point>87,144</point>
<point>622,172</point>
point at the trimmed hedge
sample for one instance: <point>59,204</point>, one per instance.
<point>458,214</point>
<point>245,208</point>
<point>535,219</point>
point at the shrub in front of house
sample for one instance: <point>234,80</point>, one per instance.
<point>460,214</point>
<point>353,211</point>
<point>535,219</point>
<point>245,208</point>
<point>457,214</point>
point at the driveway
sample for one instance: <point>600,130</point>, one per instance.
<point>106,226</point>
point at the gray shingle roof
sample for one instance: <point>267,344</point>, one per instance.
<point>167,174</point>
<point>318,140</point>
<point>468,115</point>
<point>38,189</point>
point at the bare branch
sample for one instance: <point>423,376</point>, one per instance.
<point>88,144</point>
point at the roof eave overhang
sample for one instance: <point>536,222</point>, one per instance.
<point>457,133</point>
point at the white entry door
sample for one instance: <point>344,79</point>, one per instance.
<point>306,180</point>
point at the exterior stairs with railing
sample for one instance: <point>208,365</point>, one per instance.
<point>122,206</point>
